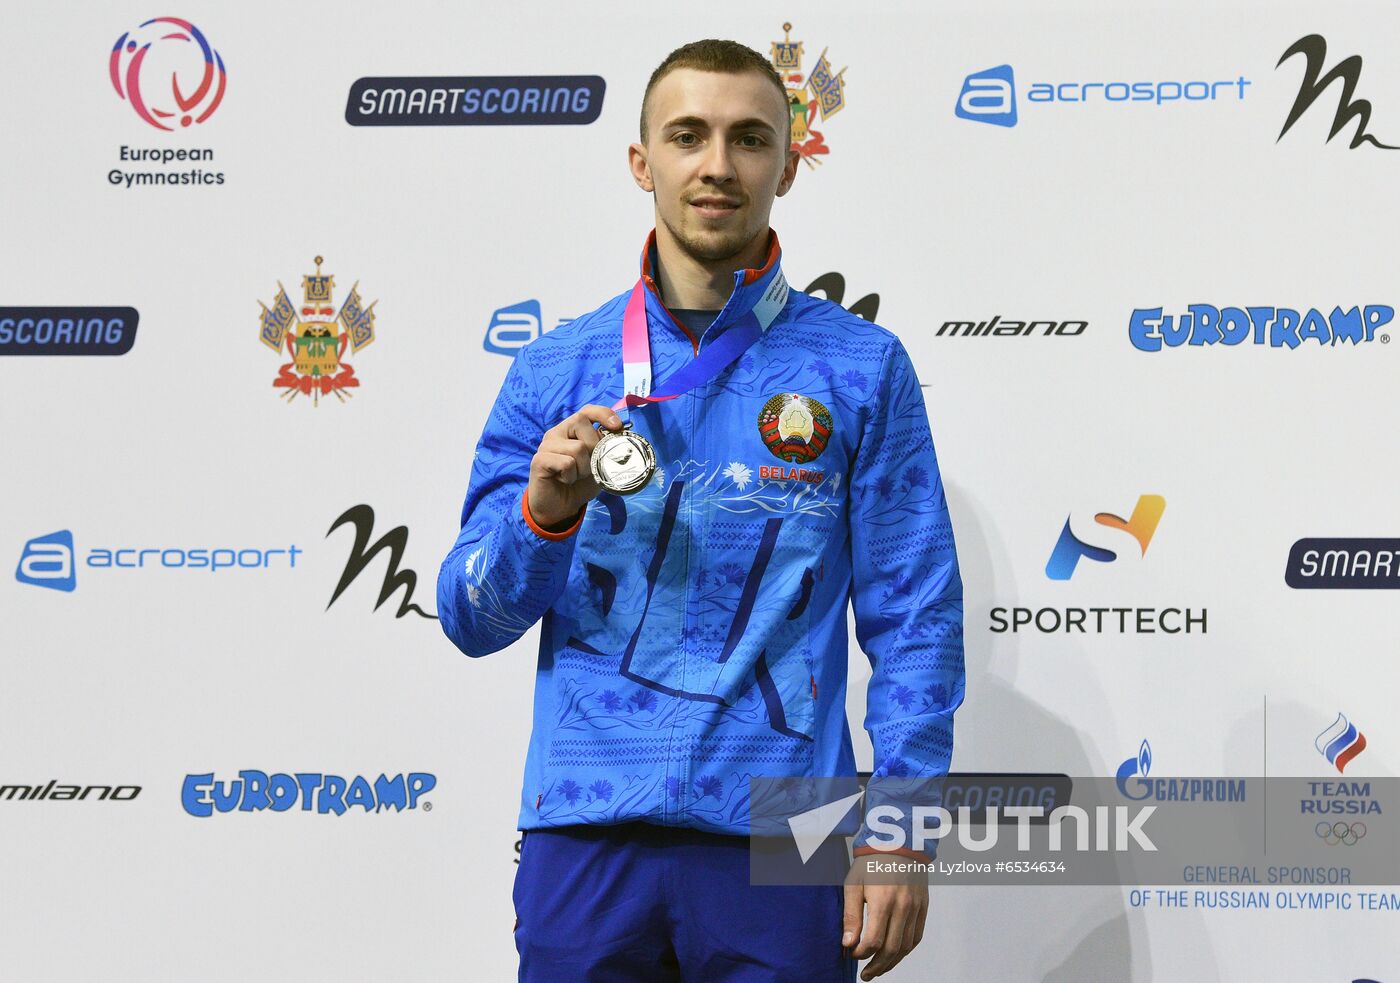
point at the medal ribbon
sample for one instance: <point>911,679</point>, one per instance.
<point>717,356</point>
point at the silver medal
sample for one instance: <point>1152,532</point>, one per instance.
<point>623,461</point>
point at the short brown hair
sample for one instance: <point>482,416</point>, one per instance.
<point>713,55</point>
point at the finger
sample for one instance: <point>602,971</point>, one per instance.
<point>893,949</point>
<point>919,920</point>
<point>582,453</point>
<point>850,919</point>
<point>575,423</point>
<point>877,918</point>
<point>888,953</point>
<point>557,466</point>
<point>593,413</point>
<point>585,433</point>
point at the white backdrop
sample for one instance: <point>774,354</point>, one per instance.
<point>1080,211</point>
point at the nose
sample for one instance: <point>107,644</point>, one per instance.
<point>717,164</point>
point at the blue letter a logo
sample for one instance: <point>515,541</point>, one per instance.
<point>989,97</point>
<point>47,561</point>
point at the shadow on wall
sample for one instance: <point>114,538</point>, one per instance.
<point>986,933</point>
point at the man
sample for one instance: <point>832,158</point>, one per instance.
<point>694,631</point>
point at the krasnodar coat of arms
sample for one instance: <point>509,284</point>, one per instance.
<point>794,427</point>
<point>312,336</point>
<point>828,95</point>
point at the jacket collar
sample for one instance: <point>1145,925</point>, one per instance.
<point>763,291</point>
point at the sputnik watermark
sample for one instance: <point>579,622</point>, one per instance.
<point>1112,827</point>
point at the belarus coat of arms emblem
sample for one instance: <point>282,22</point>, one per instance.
<point>795,428</point>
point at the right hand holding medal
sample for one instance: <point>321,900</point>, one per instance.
<point>561,475</point>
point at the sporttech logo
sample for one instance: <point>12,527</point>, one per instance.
<point>1141,526</point>
<point>989,96</point>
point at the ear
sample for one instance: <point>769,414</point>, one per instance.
<point>789,172</point>
<point>641,170</point>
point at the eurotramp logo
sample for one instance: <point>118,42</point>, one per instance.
<point>258,791</point>
<point>989,96</point>
<point>1208,326</point>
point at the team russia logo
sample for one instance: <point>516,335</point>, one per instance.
<point>795,427</point>
<point>161,46</point>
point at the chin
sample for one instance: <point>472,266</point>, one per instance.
<point>714,244</point>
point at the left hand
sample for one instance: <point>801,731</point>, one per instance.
<point>894,914</point>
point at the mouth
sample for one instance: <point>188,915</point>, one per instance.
<point>715,207</point>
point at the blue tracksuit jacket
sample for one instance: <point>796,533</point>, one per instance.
<point>694,633</point>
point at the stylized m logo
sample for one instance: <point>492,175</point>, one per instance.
<point>1314,49</point>
<point>395,541</point>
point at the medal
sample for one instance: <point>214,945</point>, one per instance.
<point>623,461</point>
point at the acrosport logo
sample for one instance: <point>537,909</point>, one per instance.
<point>989,96</point>
<point>515,326</point>
<point>51,560</point>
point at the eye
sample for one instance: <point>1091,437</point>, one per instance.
<point>757,141</point>
<point>681,138</point>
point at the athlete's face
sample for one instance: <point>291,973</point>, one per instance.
<point>717,154</point>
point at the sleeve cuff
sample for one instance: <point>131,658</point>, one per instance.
<point>540,530</point>
<point>904,851</point>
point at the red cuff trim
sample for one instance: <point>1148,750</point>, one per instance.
<point>540,530</point>
<point>904,851</point>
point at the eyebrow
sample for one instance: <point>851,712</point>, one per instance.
<point>752,123</point>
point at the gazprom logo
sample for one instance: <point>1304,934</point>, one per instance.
<point>47,561</point>
<point>989,97</point>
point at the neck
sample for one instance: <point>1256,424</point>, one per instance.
<point>688,283</point>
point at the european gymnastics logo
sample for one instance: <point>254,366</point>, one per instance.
<point>1141,526</point>
<point>132,60</point>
